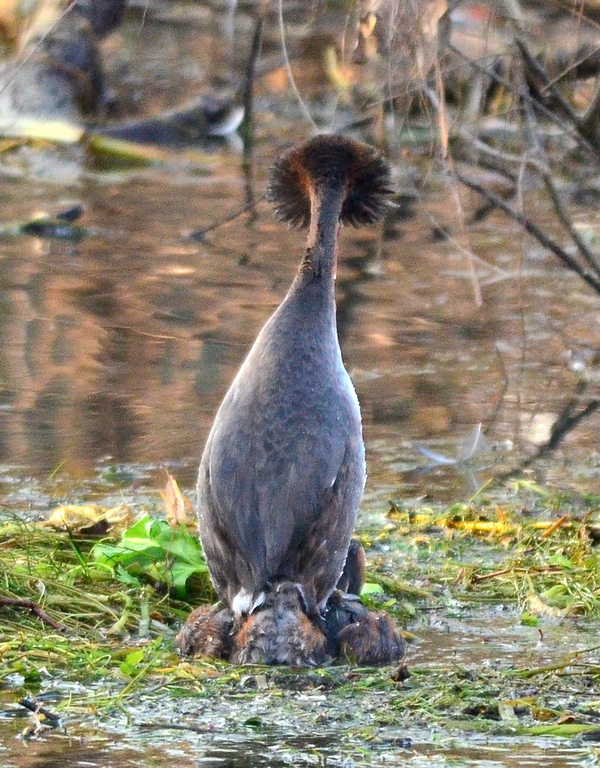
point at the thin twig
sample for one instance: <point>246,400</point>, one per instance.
<point>566,422</point>
<point>17,602</point>
<point>541,73</point>
<point>591,279</point>
<point>541,167</point>
<point>501,274</point>
<point>476,579</point>
<point>437,102</point>
<point>555,526</point>
<point>542,170</point>
<point>288,67</point>
<point>198,234</point>
<point>586,252</point>
<point>571,131</point>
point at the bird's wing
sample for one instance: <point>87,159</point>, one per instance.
<point>267,487</point>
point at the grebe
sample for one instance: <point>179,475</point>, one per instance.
<point>283,470</point>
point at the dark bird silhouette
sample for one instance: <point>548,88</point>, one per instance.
<point>283,470</point>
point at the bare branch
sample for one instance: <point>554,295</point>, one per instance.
<point>536,68</point>
<point>572,131</point>
<point>590,278</point>
<point>541,168</point>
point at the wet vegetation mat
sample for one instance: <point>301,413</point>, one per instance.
<point>502,603</point>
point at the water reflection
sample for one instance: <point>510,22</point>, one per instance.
<point>425,749</point>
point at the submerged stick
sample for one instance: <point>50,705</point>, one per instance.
<point>38,709</point>
<point>248,121</point>
<point>198,234</point>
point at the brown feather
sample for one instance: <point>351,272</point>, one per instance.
<point>324,161</point>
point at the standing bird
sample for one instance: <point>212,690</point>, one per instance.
<point>283,470</point>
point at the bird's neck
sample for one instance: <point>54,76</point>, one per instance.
<point>320,258</point>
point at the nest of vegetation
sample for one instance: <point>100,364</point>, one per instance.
<point>99,603</point>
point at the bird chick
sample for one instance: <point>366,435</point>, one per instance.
<point>207,632</point>
<point>279,632</point>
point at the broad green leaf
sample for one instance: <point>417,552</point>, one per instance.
<point>180,573</point>
<point>370,588</point>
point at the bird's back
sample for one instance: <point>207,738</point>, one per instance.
<point>284,463</point>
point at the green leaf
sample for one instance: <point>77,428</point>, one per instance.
<point>370,588</point>
<point>178,543</point>
<point>132,661</point>
<point>180,573</point>
<point>140,535</point>
<point>125,577</point>
<point>135,657</point>
<point>153,548</point>
<point>560,729</point>
<point>529,620</point>
<point>114,555</point>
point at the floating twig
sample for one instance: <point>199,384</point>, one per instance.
<point>199,234</point>
<point>555,526</point>
<point>37,709</point>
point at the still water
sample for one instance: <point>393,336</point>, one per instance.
<point>280,749</point>
<point>123,344</point>
<point>115,350</point>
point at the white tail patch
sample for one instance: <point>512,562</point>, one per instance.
<point>246,602</point>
